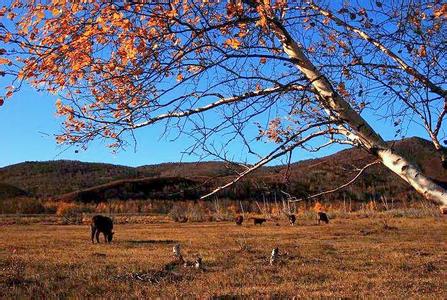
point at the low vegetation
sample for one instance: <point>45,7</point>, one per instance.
<point>376,255</point>
<point>216,210</point>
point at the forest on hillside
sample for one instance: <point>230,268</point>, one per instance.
<point>93,182</point>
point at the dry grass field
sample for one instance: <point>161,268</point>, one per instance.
<point>369,257</point>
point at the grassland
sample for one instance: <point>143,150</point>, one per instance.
<point>368,257</point>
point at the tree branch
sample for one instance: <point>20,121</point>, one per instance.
<point>271,156</point>
<point>403,65</point>
<point>220,102</point>
<point>341,186</point>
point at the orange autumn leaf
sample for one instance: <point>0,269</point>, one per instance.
<point>233,43</point>
<point>263,60</point>
<point>194,69</point>
<point>234,9</point>
<point>172,13</point>
<point>422,51</point>
<point>40,14</point>
<point>441,12</point>
<point>262,22</point>
<point>55,11</point>
<point>4,61</point>
<point>179,77</point>
<point>7,37</point>
<point>58,104</point>
<point>341,88</point>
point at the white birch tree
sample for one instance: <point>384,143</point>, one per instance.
<point>298,72</point>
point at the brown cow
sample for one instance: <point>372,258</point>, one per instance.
<point>322,217</point>
<point>259,221</point>
<point>102,224</point>
<point>443,210</point>
<point>239,220</point>
<point>292,219</point>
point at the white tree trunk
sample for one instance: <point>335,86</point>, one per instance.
<point>411,174</point>
<point>360,130</point>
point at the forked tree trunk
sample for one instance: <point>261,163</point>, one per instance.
<point>359,130</point>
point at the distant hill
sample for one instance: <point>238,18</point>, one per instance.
<point>166,188</point>
<point>78,181</point>
<point>312,176</point>
<point>10,191</point>
<point>57,177</point>
<point>191,169</point>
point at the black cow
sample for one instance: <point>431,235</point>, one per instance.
<point>323,217</point>
<point>102,224</point>
<point>239,220</point>
<point>259,221</point>
<point>292,219</point>
<point>443,210</point>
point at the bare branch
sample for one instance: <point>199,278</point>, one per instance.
<point>220,102</point>
<point>404,66</point>
<point>341,186</point>
<point>274,154</point>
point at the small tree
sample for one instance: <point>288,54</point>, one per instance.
<point>216,70</point>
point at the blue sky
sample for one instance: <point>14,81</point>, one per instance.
<point>28,123</point>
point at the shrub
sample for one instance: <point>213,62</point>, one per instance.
<point>102,207</point>
<point>50,207</point>
<point>31,206</point>
<point>177,212</point>
<point>197,213</point>
<point>161,207</point>
<point>22,205</point>
<point>64,208</point>
<point>72,213</point>
<point>318,207</point>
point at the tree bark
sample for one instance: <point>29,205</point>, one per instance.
<point>360,130</point>
<point>411,174</point>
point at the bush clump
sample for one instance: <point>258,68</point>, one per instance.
<point>22,205</point>
<point>71,213</point>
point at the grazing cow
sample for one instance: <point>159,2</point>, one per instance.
<point>322,217</point>
<point>102,224</point>
<point>239,220</point>
<point>292,219</point>
<point>443,210</point>
<point>259,221</point>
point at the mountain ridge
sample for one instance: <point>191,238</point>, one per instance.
<point>302,178</point>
